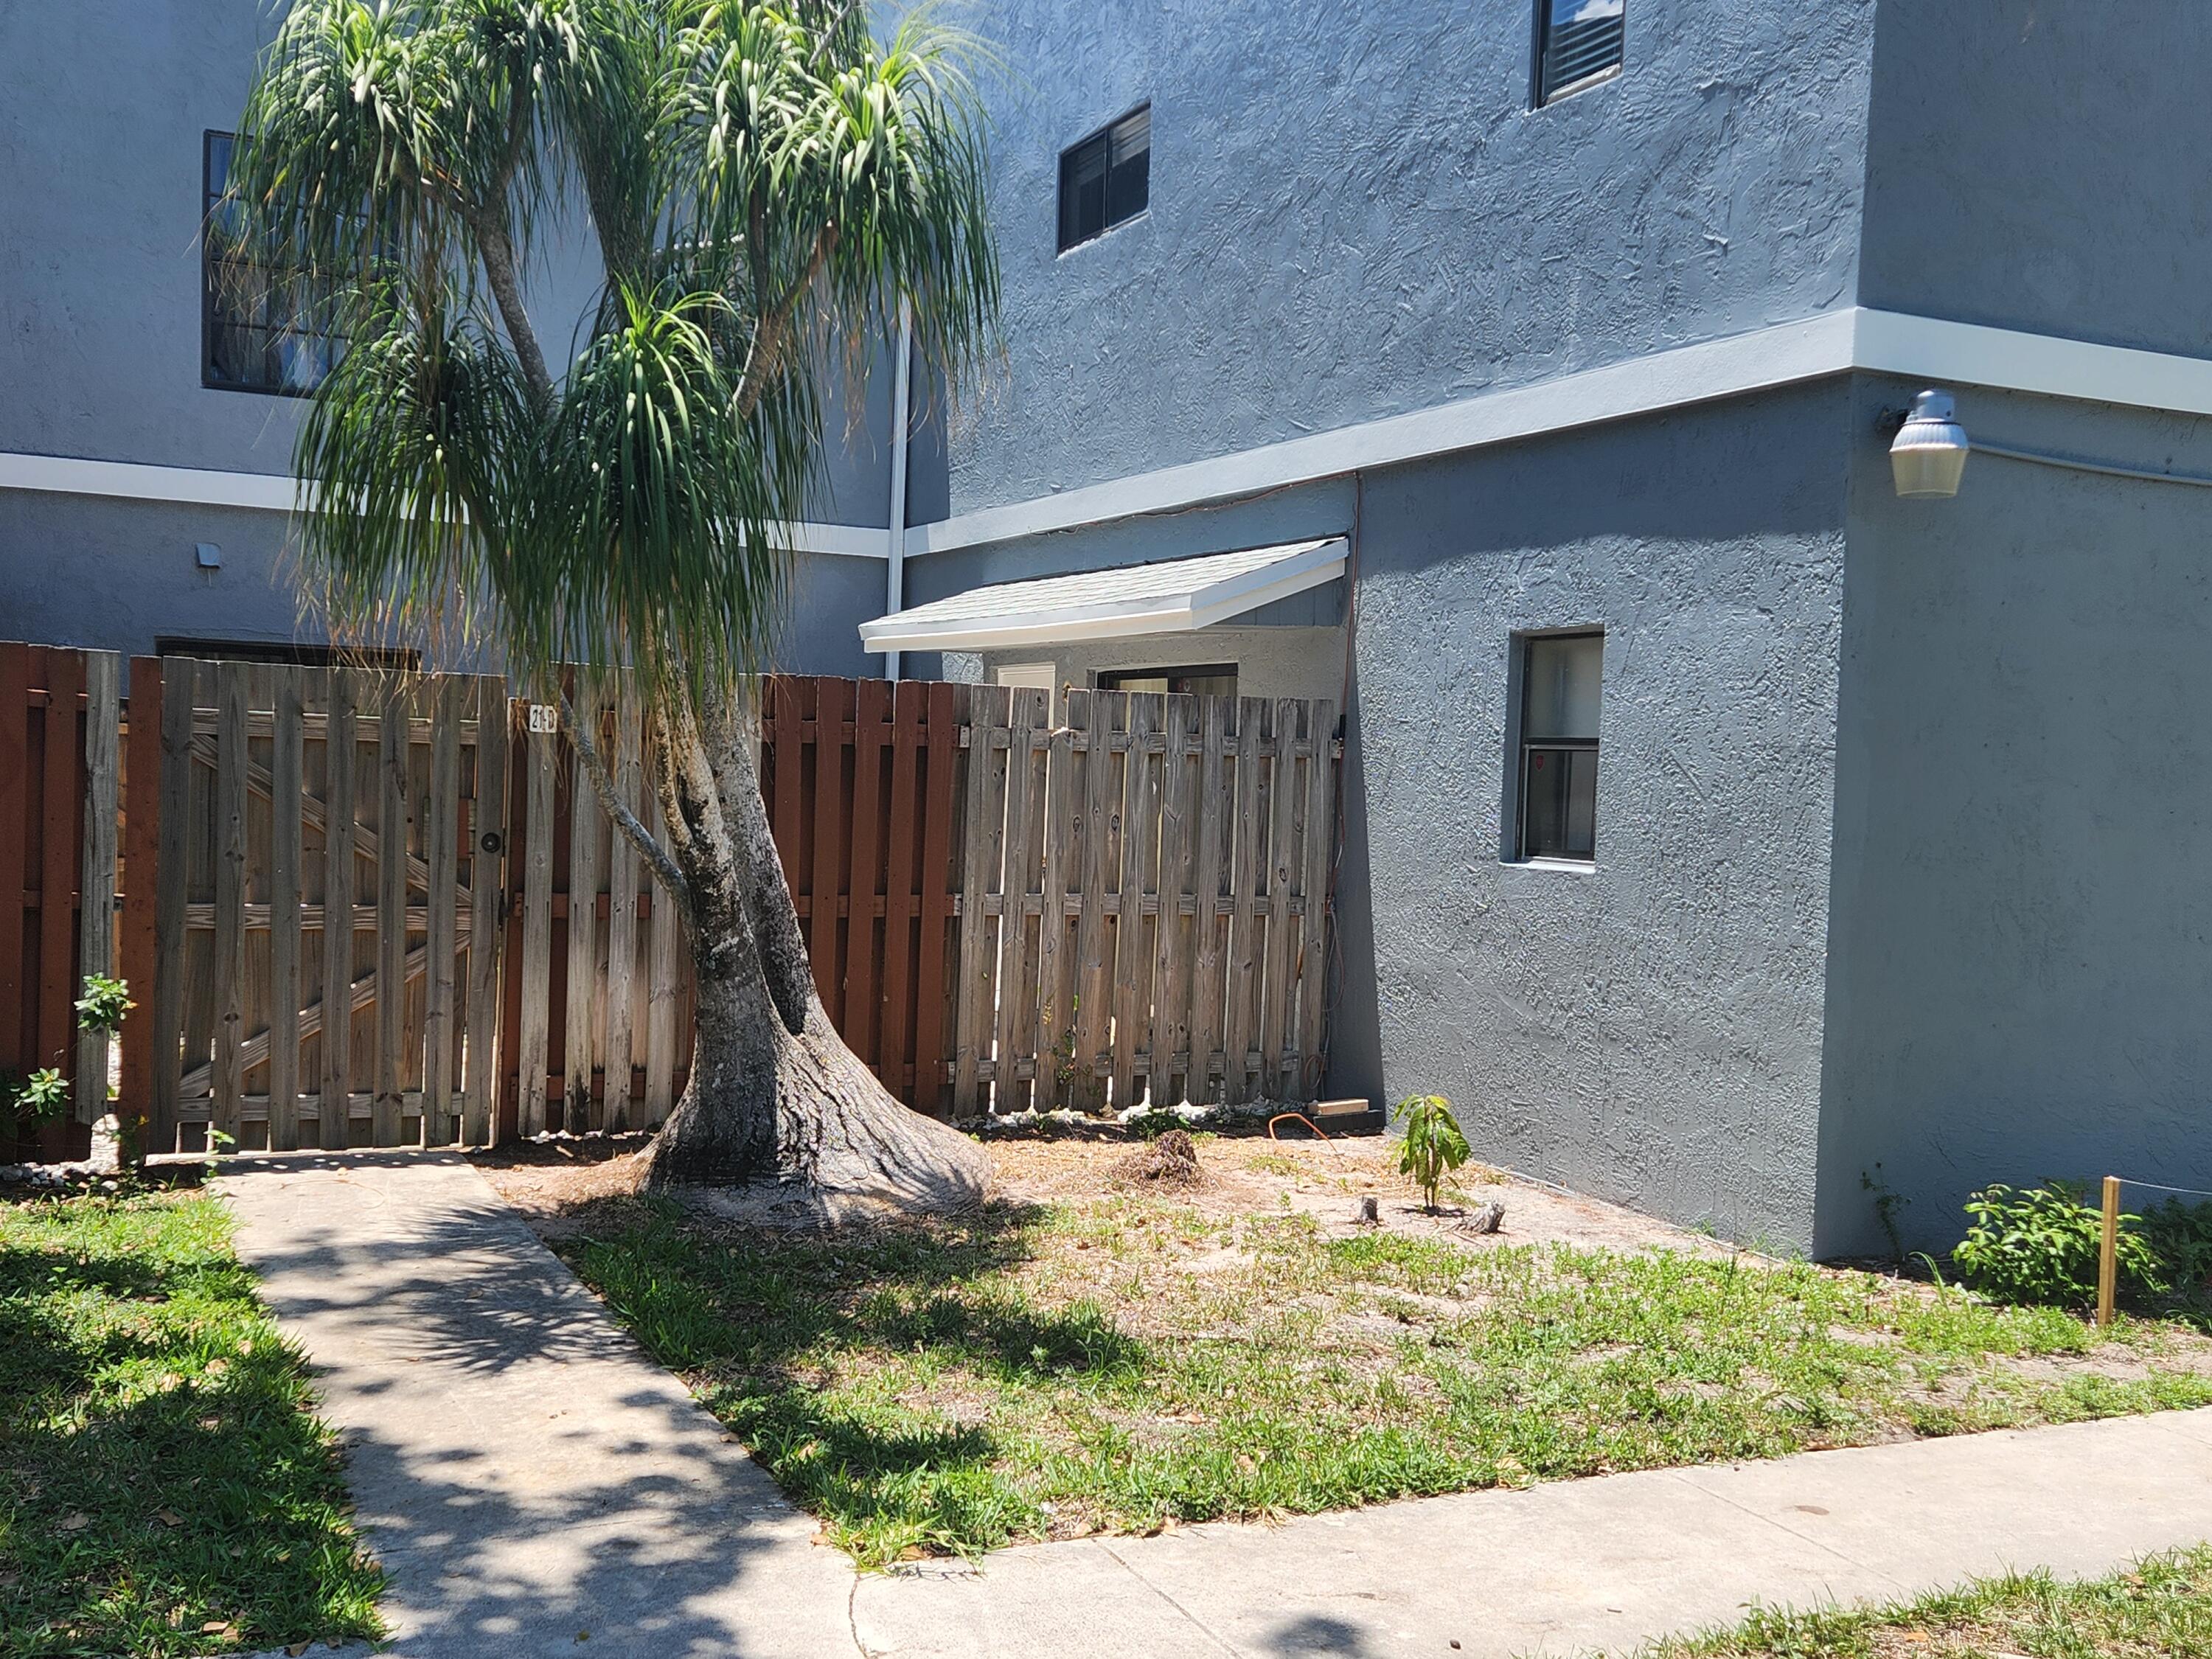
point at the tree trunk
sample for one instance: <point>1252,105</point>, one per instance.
<point>779,1118</point>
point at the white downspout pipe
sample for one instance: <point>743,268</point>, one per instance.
<point>902,397</point>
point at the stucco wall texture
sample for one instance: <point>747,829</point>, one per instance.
<point>113,575</point>
<point>2019,965</point>
<point>2036,164</point>
<point>1384,196</point>
<point>1649,1029</point>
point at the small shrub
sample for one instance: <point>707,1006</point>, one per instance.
<point>2040,1244</point>
<point>40,1095</point>
<point>1434,1145</point>
<point>2180,1237</point>
<point>103,1004</point>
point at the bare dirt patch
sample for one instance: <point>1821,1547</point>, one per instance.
<point>1326,1180</point>
<point>549,1180</point>
<point>546,1180</point>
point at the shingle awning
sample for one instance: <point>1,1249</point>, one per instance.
<point>1172,597</point>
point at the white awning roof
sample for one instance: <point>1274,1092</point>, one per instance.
<point>1172,597</point>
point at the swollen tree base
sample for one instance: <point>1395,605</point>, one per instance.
<point>780,1124</point>
<point>793,1132</point>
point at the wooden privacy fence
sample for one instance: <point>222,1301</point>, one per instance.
<point>1001,915</point>
<point>1142,900</point>
<point>859,779</point>
<point>60,772</point>
<point>370,909</point>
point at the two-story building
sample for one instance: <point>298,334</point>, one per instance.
<point>1727,833</point>
<point>148,412</point>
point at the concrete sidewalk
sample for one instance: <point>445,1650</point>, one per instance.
<point>1601,1563</point>
<point>526,1475</point>
<point>531,1482</point>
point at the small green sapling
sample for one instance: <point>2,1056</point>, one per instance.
<point>103,1004</point>
<point>1434,1145</point>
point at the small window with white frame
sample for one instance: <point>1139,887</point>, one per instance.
<point>1106,179</point>
<point>1578,42</point>
<point>1556,794</point>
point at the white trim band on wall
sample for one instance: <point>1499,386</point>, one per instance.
<point>1787,354</point>
<point>272,492</point>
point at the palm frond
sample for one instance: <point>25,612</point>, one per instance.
<point>766,181</point>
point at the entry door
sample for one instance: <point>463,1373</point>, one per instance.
<point>1035,677</point>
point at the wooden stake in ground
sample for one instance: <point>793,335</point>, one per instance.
<point>2108,1253</point>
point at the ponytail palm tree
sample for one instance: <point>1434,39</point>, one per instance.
<point>764,182</point>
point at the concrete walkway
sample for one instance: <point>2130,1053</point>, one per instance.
<point>531,1482</point>
<point>526,1475</point>
<point>1602,1563</point>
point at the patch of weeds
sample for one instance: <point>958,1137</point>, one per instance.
<point>1125,1363</point>
<point>1888,1204</point>
<point>2163,1605</point>
<point>164,1485</point>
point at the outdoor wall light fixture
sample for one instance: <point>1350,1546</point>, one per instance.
<point>1928,453</point>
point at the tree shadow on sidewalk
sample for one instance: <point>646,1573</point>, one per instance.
<point>522,1470</point>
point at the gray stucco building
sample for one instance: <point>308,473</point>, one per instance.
<point>1877,853</point>
<point>1899,826</point>
<point>122,453</point>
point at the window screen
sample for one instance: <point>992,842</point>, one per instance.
<point>262,329</point>
<point>1106,178</point>
<point>1577,41</point>
<point>1560,689</point>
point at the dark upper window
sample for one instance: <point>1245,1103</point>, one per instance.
<point>1106,178</point>
<point>261,329</point>
<point>1560,675</point>
<point>1577,41</point>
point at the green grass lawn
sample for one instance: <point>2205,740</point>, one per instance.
<point>2161,1606</point>
<point>1127,1362</point>
<point>164,1485</point>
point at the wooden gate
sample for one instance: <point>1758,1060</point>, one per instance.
<point>319,978</point>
